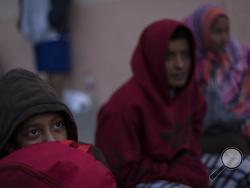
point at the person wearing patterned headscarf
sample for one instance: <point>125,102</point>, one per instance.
<point>223,74</point>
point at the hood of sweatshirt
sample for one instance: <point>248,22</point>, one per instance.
<point>22,95</point>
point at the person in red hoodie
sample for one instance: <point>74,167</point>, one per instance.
<point>38,139</point>
<point>149,129</point>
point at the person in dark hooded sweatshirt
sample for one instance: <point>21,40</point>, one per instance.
<point>31,114</point>
<point>149,129</point>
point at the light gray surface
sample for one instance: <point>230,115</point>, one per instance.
<point>86,123</point>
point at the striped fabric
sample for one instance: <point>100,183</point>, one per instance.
<point>236,178</point>
<point>161,184</point>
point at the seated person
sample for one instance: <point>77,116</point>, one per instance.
<point>223,76</point>
<point>31,113</point>
<point>149,129</point>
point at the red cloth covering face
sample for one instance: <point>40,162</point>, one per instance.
<point>144,133</point>
<point>56,165</point>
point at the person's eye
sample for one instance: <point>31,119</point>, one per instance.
<point>186,55</point>
<point>218,31</point>
<point>59,125</point>
<point>169,56</point>
<point>32,133</point>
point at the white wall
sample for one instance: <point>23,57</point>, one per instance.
<point>104,35</point>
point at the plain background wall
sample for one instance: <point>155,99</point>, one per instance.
<point>104,35</point>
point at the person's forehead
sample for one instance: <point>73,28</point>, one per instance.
<point>182,43</point>
<point>220,21</point>
<point>40,117</point>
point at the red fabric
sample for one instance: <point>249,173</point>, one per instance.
<point>53,164</point>
<point>144,134</point>
<point>84,147</point>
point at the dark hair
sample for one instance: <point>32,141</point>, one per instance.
<point>181,33</point>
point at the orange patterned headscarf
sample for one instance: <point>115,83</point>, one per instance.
<point>207,20</point>
<point>232,72</point>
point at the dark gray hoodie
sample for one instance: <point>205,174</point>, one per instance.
<point>22,95</point>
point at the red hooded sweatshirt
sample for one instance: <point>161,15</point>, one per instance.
<point>144,134</point>
<point>54,165</point>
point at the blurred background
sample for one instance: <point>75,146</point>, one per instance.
<point>104,35</point>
